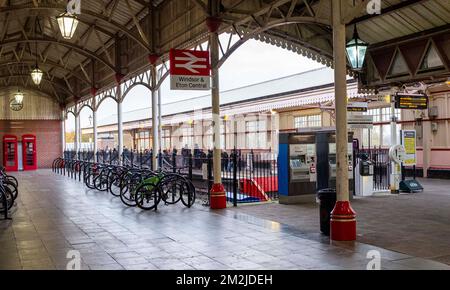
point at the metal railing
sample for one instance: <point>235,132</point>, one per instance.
<point>247,177</point>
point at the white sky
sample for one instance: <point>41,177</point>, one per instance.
<point>252,63</point>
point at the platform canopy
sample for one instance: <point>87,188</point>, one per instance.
<point>408,41</point>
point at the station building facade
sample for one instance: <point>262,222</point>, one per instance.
<point>253,116</point>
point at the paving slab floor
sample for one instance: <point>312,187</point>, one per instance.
<point>56,216</point>
<point>415,224</point>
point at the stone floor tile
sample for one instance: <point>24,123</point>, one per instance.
<point>146,266</point>
<point>131,261</point>
<point>114,266</point>
<point>110,236</point>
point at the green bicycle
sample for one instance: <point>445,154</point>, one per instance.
<point>171,188</point>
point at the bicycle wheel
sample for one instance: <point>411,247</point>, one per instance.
<point>6,198</point>
<point>127,193</point>
<point>89,180</point>
<point>114,185</point>
<point>12,187</point>
<point>148,196</point>
<point>188,194</point>
<point>101,182</point>
<point>171,189</point>
<point>13,180</point>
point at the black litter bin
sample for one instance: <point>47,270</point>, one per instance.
<point>327,199</point>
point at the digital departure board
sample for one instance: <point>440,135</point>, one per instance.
<point>411,101</point>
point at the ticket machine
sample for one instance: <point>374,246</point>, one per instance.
<point>10,160</point>
<point>307,163</point>
<point>302,162</point>
<point>29,152</point>
<point>297,167</point>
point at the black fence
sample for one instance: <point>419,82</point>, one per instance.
<point>247,177</point>
<point>382,167</point>
<point>140,159</point>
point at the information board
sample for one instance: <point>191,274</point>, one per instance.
<point>409,142</point>
<point>411,101</point>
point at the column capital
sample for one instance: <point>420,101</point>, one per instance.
<point>76,98</point>
<point>93,91</point>
<point>153,58</point>
<point>119,77</point>
<point>213,23</point>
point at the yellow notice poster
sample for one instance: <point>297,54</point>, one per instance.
<point>409,142</point>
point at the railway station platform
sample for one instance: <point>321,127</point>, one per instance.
<point>55,215</point>
<point>414,224</point>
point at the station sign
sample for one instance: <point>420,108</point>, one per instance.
<point>357,107</point>
<point>190,70</point>
<point>359,121</point>
<point>411,101</point>
<point>408,139</point>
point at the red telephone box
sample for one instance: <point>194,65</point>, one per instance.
<point>29,152</point>
<point>10,158</point>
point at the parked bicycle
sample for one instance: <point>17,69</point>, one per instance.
<point>134,185</point>
<point>8,192</point>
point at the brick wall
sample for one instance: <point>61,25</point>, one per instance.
<point>48,135</point>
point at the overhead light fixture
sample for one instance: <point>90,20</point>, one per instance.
<point>356,51</point>
<point>67,24</point>
<point>36,73</point>
<point>18,97</point>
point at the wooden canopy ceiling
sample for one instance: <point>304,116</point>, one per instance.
<point>117,36</point>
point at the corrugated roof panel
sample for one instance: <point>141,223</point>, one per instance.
<point>432,18</point>
<point>414,18</point>
<point>440,10</point>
